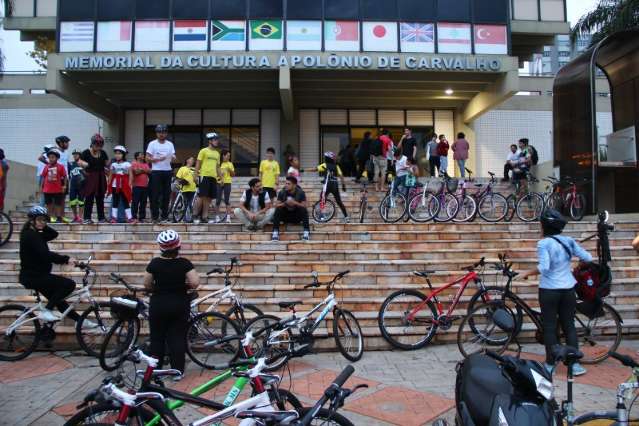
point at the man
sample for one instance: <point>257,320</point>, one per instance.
<point>460,152</point>
<point>408,145</point>
<point>522,164</point>
<point>270,173</point>
<point>402,169</point>
<point>161,153</point>
<point>511,161</point>
<point>290,207</point>
<point>379,155</point>
<point>63,149</point>
<point>207,167</point>
<point>363,154</point>
<point>255,209</point>
<point>442,151</point>
<point>433,155</point>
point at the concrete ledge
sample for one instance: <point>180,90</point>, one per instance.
<point>539,27</point>
<point>47,24</point>
<point>21,184</point>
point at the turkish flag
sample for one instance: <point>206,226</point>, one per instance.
<point>347,31</point>
<point>491,39</point>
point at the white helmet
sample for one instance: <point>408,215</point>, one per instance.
<point>47,147</point>
<point>212,135</point>
<point>168,240</point>
<point>120,148</point>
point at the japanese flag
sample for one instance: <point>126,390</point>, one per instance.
<point>380,36</point>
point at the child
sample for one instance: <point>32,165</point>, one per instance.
<point>294,170</point>
<point>224,188</point>
<point>269,173</point>
<point>76,180</point>
<point>120,179</point>
<point>330,165</point>
<point>54,180</point>
<point>141,172</point>
<point>186,177</point>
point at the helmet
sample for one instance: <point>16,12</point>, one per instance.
<point>54,152</point>
<point>120,148</point>
<point>61,139</point>
<point>552,220</point>
<point>161,128</point>
<point>37,211</point>
<point>330,154</point>
<point>212,135</point>
<point>47,147</point>
<point>168,240</point>
<point>97,140</point>
<point>76,151</point>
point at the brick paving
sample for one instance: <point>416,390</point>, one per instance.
<point>405,388</point>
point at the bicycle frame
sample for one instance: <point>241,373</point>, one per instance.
<point>328,304</point>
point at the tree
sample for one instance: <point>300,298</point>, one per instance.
<point>41,48</point>
<point>610,16</point>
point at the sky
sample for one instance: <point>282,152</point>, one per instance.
<point>16,57</point>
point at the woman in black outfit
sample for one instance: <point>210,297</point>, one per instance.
<point>169,278</point>
<point>94,161</point>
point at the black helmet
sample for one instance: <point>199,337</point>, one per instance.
<point>37,211</point>
<point>553,222</point>
<point>161,128</point>
<point>61,139</point>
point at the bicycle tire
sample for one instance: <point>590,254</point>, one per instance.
<point>270,352</point>
<point>6,352</point>
<point>283,398</point>
<point>235,315</point>
<point>326,417</point>
<point>479,326</point>
<point>497,291</point>
<point>586,341</point>
<point>179,208</point>
<point>532,199</point>
<point>425,202</point>
<point>94,414</point>
<point>324,215</point>
<point>363,205</point>
<point>555,202</point>
<point>396,204</point>
<point>386,332</point>
<point>577,207</point>
<point>104,323</point>
<point>125,334</point>
<point>339,328</point>
<point>199,335</point>
<point>450,208</point>
<point>493,199</point>
<point>468,207</point>
<point>6,228</point>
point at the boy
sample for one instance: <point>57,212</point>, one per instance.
<point>76,180</point>
<point>141,172</point>
<point>54,180</point>
<point>270,173</point>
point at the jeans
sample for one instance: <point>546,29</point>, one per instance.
<point>507,168</point>
<point>443,165</point>
<point>168,322</point>
<point>434,165</point>
<point>462,167</point>
<point>297,215</point>
<point>138,204</point>
<point>261,219</point>
<point>160,193</point>
<point>558,305</point>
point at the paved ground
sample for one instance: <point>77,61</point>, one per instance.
<point>405,388</point>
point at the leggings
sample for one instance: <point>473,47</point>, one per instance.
<point>88,206</point>
<point>225,190</point>
<point>558,305</point>
<point>138,207</point>
<point>332,188</point>
<point>55,288</point>
<point>119,199</point>
<point>168,320</point>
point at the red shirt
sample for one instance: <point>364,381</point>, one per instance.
<point>53,176</point>
<point>141,180</point>
<point>387,144</point>
<point>442,148</point>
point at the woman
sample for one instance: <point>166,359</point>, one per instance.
<point>186,176</point>
<point>36,261</point>
<point>95,162</point>
<point>169,278</point>
<point>557,296</point>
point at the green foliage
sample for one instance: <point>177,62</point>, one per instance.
<point>610,16</point>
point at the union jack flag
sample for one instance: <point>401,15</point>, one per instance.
<point>417,32</point>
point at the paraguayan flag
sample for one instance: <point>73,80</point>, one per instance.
<point>76,36</point>
<point>304,35</point>
<point>189,35</point>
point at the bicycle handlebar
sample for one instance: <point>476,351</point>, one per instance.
<point>219,270</point>
<point>472,267</point>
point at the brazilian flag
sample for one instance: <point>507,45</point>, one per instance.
<point>271,30</point>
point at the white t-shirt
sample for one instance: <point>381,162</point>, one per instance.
<point>255,201</point>
<point>513,157</point>
<point>64,159</point>
<point>120,169</point>
<point>401,168</point>
<point>166,150</point>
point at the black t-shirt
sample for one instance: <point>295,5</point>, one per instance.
<point>408,146</point>
<point>169,275</point>
<point>96,164</point>
<point>298,196</point>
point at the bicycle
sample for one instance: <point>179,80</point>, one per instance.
<point>6,228</point>
<point>409,314</point>
<point>324,209</point>
<point>569,199</point>
<point>393,206</point>
<point>21,330</point>
<point>446,207</point>
<point>181,209</point>
<point>490,206</point>
<point>528,205</point>
<point>363,203</point>
<point>279,336</point>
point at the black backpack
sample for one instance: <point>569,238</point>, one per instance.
<point>534,157</point>
<point>376,147</point>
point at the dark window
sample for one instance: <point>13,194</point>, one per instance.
<point>458,10</point>
<point>115,10</point>
<point>419,10</point>
<point>190,9</point>
<point>490,11</point>
<point>341,9</point>
<point>152,9</point>
<point>229,9</point>
<point>74,9</point>
<point>266,8</point>
<point>379,9</point>
<point>303,9</point>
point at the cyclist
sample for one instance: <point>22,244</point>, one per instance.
<point>120,179</point>
<point>331,170</point>
<point>36,261</point>
<point>186,177</point>
<point>207,167</point>
<point>169,278</point>
<point>557,297</point>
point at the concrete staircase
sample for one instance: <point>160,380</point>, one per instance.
<point>380,257</point>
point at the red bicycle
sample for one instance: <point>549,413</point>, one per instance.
<point>408,319</point>
<point>568,199</point>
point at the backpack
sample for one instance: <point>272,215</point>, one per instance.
<point>534,156</point>
<point>376,147</point>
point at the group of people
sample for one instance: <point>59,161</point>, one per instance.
<point>520,159</point>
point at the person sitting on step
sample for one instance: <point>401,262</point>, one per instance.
<point>255,208</point>
<point>290,207</point>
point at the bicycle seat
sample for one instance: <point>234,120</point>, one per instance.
<point>566,354</point>
<point>424,273</point>
<point>276,417</point>
<point>288,305</point>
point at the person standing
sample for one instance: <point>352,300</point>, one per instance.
<point>76,182</point>
<point>511,161</point>
<point>331,171</point>
<point>141,172</point>
<point>255,207</point>
<point>294,169</point>
<point>290,207</point>
<point>63,149</point>
<point>432,149</point>
<point>379,155</point>
<point>94,161</point>
<point>120,180</point>
<point>408,145</point>
<point>4,171</point>
<point>227,171</point>
<point>402,170</point>
<point>186,176</point>
<point>270,173</point>
<point>169,278</point>
<point>162,153</point>
<point>460,152</point>
<point>54,184</point>
<point>442,151</point>
<point>207,167</point>
<point>363,156</point>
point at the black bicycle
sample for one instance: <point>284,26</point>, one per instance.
<point>6,228</point>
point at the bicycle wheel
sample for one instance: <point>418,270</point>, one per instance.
<point>493,207</point>
<point>324,214</point>
<point>423,207</point>
<point>21,341</point>
<point>493,293</point>
<point>449,206</point>
<point>348,335</point>
<point>118,342</point>
<point>179,208</point>
<point>6,228</point>
<point>91,338</point>
<point>467,209</point>
<point>479,332</point>
<point>577,207</point>
<point>599,333</point>
<point>281,341</point>
<point>213,340</point>
<point>555,202</point>
<point>242,315</point>
<point>106,413</point>
<point>363,205</point>
<point>399,327</point>
<point>393,207</point>
<point>326,417</point>
<point>530,207</point>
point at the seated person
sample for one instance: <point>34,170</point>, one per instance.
<point>255,206</point>
<point>511,161</point>
<point>290,207</point>
<point>521,166</point>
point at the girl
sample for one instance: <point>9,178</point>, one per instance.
<point>120,180</point>
<point>330,165</point>
<point>169,278</point>
<point>94,161</point>
<point>294,169</point>
<point>224,188</point>
<point>186,176</point>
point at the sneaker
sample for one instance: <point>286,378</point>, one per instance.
<point>113,220</point>
<point>87,222</point>
<point>549,368</point>
<point>211,221</point>
<point>578,369</point>
<point>53,219</point>
<point>47,315</point>
<point>217,219</point>
<point>65,219</point>
<point>306,236</point>
<point>103,221</point>
<point>132,221</point>
<point>164,221</point>
<point>88,324</point>
<point>346,219</point>
<point>196,221</point>
<point>77,219</point>
<point>155,221</point>
<point>228,219</point>
<point>275,236</point>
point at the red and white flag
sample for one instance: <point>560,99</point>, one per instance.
<point>491,39</point>
<point>453,38</point>
<point>152,36</point>
<point>114,36</point>
<point>341,36</point>
<point>380,36</point>
<point>190,35</point>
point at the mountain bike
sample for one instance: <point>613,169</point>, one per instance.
<point>363,203</point>
<point>490,206</point>
<point>181,209</point>
<point>569,200</point>
<point>293,334</point>
<point>21,330</point>
<point>528,205</point>
<point>421,205</point>
<point>324,209</point>
<point>393,206</point>
<point>6,228</point>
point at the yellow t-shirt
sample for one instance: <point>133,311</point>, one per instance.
<point>227,168</point>
<point>210,160</point>
<point>322,168</point>
<point>186,173</point>
<point>270,171</point>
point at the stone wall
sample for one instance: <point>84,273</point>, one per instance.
<point>21,184</point>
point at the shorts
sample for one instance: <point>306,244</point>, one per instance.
<point>75,196</point>
<point>208,187</point>
<point>55,199</point>
<point>381,165</point>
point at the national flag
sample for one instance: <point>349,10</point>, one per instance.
<point>114,36</point>
<point>380,36</point>
<point>189,35</point>
<point>152,36</point>
<point>341,36</point>
<point>228,35</point>
<point>417,37</point>
<point>266,35</point>
<point>304,35</point>
<point>453,38</point>
<point>491,39</point>
<point>76,36</point>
